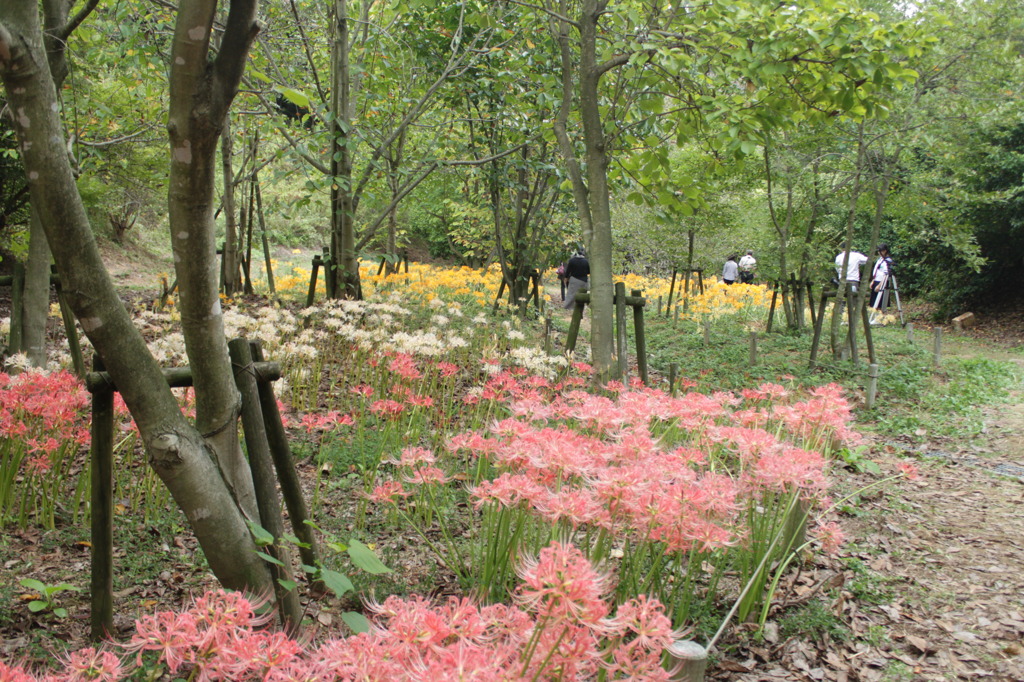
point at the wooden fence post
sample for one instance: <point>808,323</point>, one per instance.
<point>280,451</point>
<point>311,294</point>
<point>771,309</point>
<point>330,273</point>
<point>818,324</point>
<point>620,330</point>
<point>101,581</point>
<point>671,291</point>
<point>673,371</point>
<point>872,385</point>
<point>937,355</point>
<point>260,462</point>
<point>641,335</point>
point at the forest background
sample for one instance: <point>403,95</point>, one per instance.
<point>453,150</point>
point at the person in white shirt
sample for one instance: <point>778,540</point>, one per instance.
<point>747,265</point>
<point>856,260</point>
<point>731,271</point>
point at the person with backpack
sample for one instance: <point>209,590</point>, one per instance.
<point>577,275</point>
<point>747,265</point>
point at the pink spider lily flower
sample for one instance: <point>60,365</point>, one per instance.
<point>364,390</point>
<point>427,476</point>
<point>14,673</point>
<point>405,366</point>
<point>793,468</point>
<point>909,470</point>
<point>388,492</point>
<point>562,585</point>
<point>420,400</point>
<point>414,456</point>
<point>508,490</point>
<point>90,664</point>
<point>387,408</point>
<point>172,635</point>
<point>575,506</point>
<point>643,619</point>
<point>830,536</point>
<point>447,369</point>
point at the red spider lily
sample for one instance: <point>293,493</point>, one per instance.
<point>420,400</point>
<point>831,537</point>
<point>389,491</point>
<point>427,476</point>
<point>447,369</point>
<point>90,664</point>
<point>405,366</point>
<point>561,584</point>
<point>565,631</point>
<point>364,390</point>
<point>387,408</point>
<point>909,469</point>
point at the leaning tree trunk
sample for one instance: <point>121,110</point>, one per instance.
<point>177,450</point>
<point>35,301</point>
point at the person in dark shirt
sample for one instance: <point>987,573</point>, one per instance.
<point>577,272</point>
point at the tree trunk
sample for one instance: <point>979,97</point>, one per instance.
<point>35,302</point>
<point>343,231</point>
<point>591,197</point>
<point>230,264</point>
<point>177,451</point>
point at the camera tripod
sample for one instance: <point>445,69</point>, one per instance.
<point>883,299</point>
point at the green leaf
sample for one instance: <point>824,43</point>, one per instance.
<point>36,606</point>
<point>294,540</point>
<point>336,582</point>
<point>260,535</point>
<point>60,612</point>
<point>32,584</point>
<point>364,558</point>
<point>295,97</point>
<point>259,75</point>
<point>287,584</point>
<point>270,559</point>
<point>357,621</point>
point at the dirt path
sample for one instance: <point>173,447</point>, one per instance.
<point>931,585</point>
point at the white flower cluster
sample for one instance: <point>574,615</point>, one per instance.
<point>537,361</point>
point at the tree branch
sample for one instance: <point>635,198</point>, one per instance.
<point>76,20</point>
